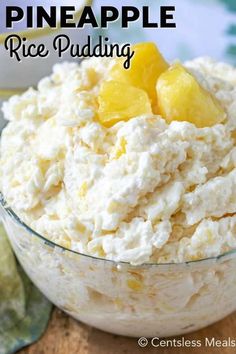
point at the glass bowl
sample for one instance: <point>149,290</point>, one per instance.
<point>148,300</point>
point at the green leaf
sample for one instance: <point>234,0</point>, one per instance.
<point>24,311</point>
<point>232,30</point>
<point>230,4</point>
<point>12,294</point>
<point>232,50</point>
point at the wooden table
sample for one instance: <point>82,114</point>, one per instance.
<point>66,336</point>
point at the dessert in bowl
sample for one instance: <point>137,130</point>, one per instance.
<point>118,191</point>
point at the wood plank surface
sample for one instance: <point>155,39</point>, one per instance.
<point>67,336</point>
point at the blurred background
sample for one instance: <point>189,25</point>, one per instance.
<point>204,28</point>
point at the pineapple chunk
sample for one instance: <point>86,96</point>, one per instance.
<point>83,189</point>
<point>134,285</point>
<point>118,101</point>
<point>182,98</point>
<point>146,66</point>
<point>120,149</point>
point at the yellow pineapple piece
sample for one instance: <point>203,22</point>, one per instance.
<point>120,149</point>
<point>146,66</point>
<point>118,101</point>
<point>134,284</point>
<point>83,189</point>
<point>182,98</point>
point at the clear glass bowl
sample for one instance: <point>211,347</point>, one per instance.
<point>149,300</point>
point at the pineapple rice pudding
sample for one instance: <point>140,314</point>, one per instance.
<point>140,191</point>
<point>127,167</point>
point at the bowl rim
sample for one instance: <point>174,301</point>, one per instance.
<point>54,245</point>
<point>41,32</point>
